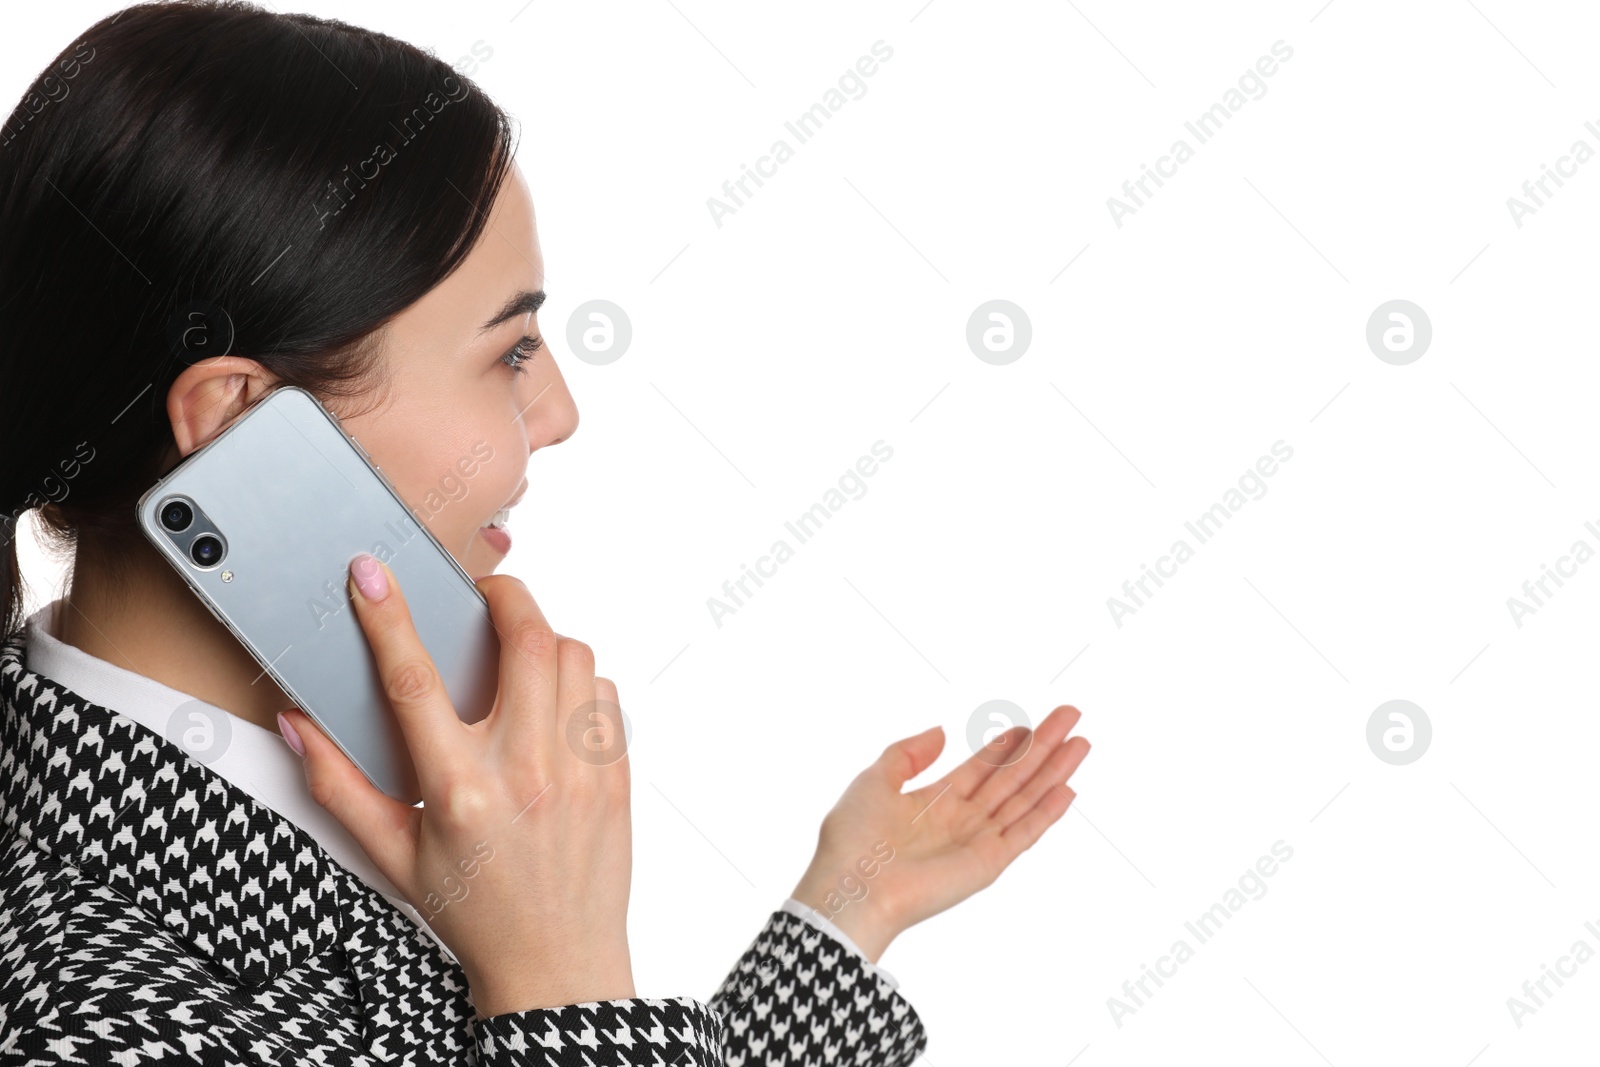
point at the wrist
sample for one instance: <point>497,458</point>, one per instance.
<point>550,984</point>
<point>862,920</point>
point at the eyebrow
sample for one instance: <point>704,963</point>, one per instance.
<point>523,303</point>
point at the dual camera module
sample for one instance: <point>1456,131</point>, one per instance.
<point>206,549</point>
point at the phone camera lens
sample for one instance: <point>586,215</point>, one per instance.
<point>176,515</point>
<point>206,550</point>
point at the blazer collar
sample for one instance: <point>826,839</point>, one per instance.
<point>128,808</point>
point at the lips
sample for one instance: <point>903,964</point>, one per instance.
<point>497,539</point>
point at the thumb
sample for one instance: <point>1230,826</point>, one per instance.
<point>379,823</point>
<point>907,758</point>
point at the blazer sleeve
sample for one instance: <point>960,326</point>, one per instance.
<point>798,996</point>
<point>639,1032</point>
<point>616,1033</point>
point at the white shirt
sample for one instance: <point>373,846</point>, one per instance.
<point>257,761</point>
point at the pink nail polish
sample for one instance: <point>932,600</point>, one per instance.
<point>369,576</point>
<point>291,736</point>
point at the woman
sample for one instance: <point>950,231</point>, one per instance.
<point>202,202</point>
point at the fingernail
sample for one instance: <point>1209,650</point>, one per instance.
<point>291,735</point>
<point>369,576</point>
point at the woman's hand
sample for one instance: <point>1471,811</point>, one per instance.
<point>521,855</point>
<point>886,860</point>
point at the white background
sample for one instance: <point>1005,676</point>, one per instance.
<point>1228,313</point>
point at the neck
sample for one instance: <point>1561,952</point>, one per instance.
<point>142,617</point>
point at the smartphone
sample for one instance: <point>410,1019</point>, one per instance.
<point>262,524</point>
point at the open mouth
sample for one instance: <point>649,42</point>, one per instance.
<point>494,531</point>
<point>500,518</point>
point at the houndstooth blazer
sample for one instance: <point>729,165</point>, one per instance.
<point>151,912</point>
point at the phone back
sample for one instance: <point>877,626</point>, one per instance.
<point>292,500</point>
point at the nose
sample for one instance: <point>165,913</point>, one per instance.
<point>550,415</point>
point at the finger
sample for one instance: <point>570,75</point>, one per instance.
<point>613,750</point>
<point>1055,770</point>
<point>1021,835</point>
<point>527,662</point>
<point>1046,739</point>
<point>910,756</point>
<point>381,825</point>
<point>575,688</point>
<point>608,718</point>
<point>965,779</point>
<point>407,673</point>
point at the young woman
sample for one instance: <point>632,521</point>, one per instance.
<point>199,203</point>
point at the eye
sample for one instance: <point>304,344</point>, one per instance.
<point>522,352</point>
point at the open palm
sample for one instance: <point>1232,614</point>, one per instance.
<point>888,859</point>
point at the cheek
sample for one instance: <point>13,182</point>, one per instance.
<point>453,472</point>
<point>437,483</point>
<point>499,462</point>
<point>472,479</point>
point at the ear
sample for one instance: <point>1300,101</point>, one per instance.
<point>208,396</point>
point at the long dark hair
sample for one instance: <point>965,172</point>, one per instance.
<point>197,178</point>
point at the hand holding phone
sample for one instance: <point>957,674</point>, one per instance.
<point>520,856</point>
<point>262,524</point>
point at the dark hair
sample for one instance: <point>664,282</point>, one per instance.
<point>199,178</point>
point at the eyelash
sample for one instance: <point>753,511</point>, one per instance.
<point>522,352</point>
